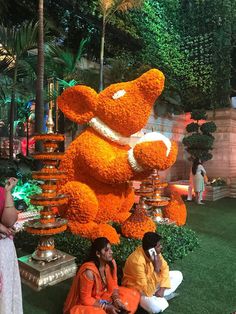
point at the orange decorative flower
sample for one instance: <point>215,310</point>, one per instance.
<point>47,220</point>
<point>37,175</point>
<point>151,156</point>
<point>46,231</point>
<point>49,202</point>
<point>50,145</point>
<point>84,230</point>
<point>82,206</point>
<point>49,170</point>
<point>104,230</point>
<point>46,187</point>
<point>137,225</point>
<point>176,209</point>
<point>46,248</point>
<point>48,156</point>
<point>49,137</point>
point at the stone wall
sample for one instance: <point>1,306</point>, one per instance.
<point>223,163</point>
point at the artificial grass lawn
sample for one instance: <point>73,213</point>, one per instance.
<point>209,285</point>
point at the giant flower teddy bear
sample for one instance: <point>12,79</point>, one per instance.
<point>99,163</point>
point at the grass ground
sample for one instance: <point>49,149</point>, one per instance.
<point>209,285</point>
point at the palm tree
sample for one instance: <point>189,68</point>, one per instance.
<point>39,108</point>
<point>15,44</point>
<point>108,8</point>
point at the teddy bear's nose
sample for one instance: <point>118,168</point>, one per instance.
<point>153,81</point>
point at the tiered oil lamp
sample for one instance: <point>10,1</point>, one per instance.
<point>151,191</point>
<point>47,265</point>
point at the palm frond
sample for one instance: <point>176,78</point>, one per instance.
<point>64,84</point>
<point>5,63</point>
<point>126,5</point>
<point>105,6</point>
<point>26,37</point>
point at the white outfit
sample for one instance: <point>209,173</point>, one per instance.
<point>155,304</point>
<point>190,187</point>
<point>198,179</point>
<point>10,285</point>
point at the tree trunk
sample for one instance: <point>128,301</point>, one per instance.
<point>39,107</point>
<point>101,74</point>
<point>12,115</point>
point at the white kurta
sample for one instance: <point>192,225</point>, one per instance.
<point>198,179</point>
<point>10,285</point>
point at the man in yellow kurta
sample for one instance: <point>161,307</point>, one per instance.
<point>146,270</point>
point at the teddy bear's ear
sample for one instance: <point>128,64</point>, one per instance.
<point>77,102</point>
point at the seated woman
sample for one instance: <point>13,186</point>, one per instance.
<point>94,288</point>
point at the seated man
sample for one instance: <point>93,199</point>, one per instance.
<point>146,270</point>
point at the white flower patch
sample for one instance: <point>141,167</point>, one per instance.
<point>119,94</point>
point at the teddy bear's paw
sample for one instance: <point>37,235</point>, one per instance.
<point>154,155</point>
<point>83,204</point>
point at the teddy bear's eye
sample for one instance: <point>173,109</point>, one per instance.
<point>119,94</point>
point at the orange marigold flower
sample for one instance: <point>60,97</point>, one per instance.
<point>84,230</point>
<point>47,220</point>
<point>49,137</point>
<point>46,231</point>
<point>83,204</point>
<point>46,248</point>
<point>107,231</point>
<point>137,225</point>
<point>152,156</point>
<point>176,209</point>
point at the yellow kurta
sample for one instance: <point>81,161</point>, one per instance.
<point>139,273</point>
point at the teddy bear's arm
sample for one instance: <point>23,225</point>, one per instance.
<point>103,160</point>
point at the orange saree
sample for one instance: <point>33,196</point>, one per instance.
<point>84,292</point>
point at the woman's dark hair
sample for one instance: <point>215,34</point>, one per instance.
<point>150,240</point>
<point>196,162</point>
<point>97,245</point>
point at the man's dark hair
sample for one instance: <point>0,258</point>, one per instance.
<point>150,240</point>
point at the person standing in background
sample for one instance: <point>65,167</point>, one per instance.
<point>10,285</point>
<point>199,173</point>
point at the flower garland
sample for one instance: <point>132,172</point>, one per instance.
<point>48,187</point>
<point>49,202</point>
<point>50,145</point>
<point>50,231</point>
<point>48,156</point>
<point>49,137</point>
<point>47,176</point>
<point>47,220</point>
<point>46,248</point>
<point>176,210</point>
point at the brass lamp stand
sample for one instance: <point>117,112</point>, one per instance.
<point>47,265</point>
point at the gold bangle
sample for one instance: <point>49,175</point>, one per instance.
<point>9,206</point>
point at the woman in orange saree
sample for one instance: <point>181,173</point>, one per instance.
<point>95,290</point>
